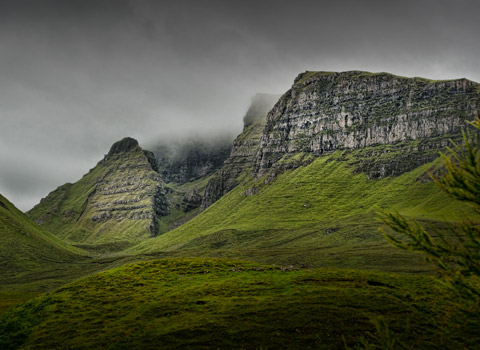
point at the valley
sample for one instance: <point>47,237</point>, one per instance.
<point>268,241</point>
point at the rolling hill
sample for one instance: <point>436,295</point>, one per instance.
<point>230,304</point>
<point>29,253</point>
<point>322,214</point>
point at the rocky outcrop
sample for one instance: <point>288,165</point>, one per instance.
<point>192,199</point>
<point>131,187</point>
<point>124,145</point>
<point>325,111</point>
<point>243,152</point>
<point>121,197</point>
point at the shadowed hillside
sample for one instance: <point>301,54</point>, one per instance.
<point>27,246</point>
<point>225,304</point>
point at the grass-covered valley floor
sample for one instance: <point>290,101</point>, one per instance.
<point>225,304</point>
<point>315,272</point>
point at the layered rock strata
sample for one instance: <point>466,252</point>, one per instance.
<point>121,198</point>
<point>131,188</point>
<point>325,111</point>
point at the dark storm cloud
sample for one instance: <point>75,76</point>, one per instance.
<point>78,75</point>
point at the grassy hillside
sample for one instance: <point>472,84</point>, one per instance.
<point>27,246</point>
<point>32,259</point>
<point>223,304</point>
<point>322,214</point>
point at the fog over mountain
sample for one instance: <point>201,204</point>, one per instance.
<point>78,75</point>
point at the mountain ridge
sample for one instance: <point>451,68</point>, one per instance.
<point>324,111</point>
<point>318,117</point>
<point>239,163</point>
<point>304,206</point>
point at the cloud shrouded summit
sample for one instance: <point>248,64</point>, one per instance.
<point>76,76</point>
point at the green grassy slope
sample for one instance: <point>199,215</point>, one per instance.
<point>26,248</point>
<point>9,298</point>
<point>33,260</point>
<point>322,214</point>
<point>224,304</point>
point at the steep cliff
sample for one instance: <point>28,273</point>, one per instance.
<point>325,111</point>
<point>240,162</point>
<point>118,202</point>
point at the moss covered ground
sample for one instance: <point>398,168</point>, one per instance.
<point>200,303</point>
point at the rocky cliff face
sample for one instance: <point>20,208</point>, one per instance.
<point>325,111</point>
<point>131,188</point>
<point>243,152</point>
<point>122,198</point>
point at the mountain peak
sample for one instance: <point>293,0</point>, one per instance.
<point>124,145</point>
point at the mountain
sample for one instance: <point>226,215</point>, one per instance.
<point>326,111</point>
<point>243,152</point>
<point>305,176</point>
<point>28,248</point>
<point>334,149</point>
<point>132,194</point>
<point>301,188</point>
<point>116,203</point>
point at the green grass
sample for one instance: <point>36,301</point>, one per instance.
<point>322,214</point>
<point>32,260</point>
<point>9,299</point>
<point>26,246</point>
<point>225,304</point>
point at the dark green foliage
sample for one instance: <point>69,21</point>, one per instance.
<point>456,251</point>
<point>16,324</point>
<point>9,299</point>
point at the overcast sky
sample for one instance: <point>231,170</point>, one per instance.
<point>76,76</point>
